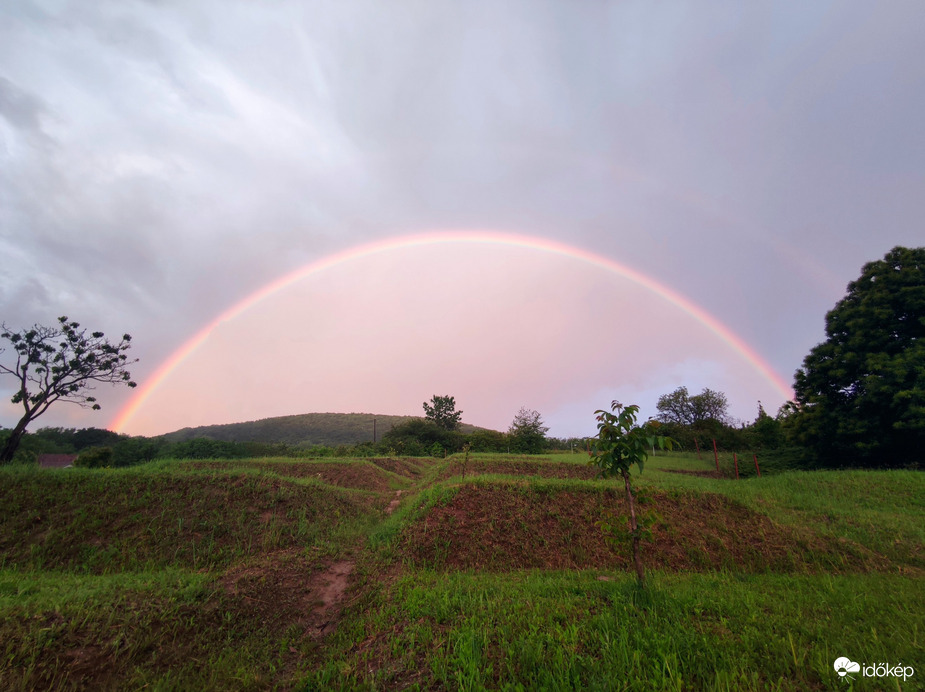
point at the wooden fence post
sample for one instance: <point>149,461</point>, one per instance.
<point>735,460</point>
<point>715,455</point>
<point>756,466</point>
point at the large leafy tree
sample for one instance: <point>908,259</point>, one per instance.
<point>676,407</point>
<point>60,363</point>
<point>442,411</point>
<point>527,432</point>
<point>860,395</point>
<point>681,408</point>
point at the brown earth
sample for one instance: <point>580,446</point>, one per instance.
<point>544,469</point>
<point>287,588</point>
<point>275,593</point>
<point>194,520</point>
<point>501,528</point>
<point>357,475</point>
<point>393,505</point>
<point>403,467</point>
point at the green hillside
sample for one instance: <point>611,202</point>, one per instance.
<point>304,429</point>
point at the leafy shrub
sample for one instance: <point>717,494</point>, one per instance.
<point>95,458</point>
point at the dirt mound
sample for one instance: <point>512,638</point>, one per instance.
<point>543,469</point>
<point>285,589</point>
<point>500,528</point>
<point>106,522</point>
<point>344,474</point>
<point>402,467</point>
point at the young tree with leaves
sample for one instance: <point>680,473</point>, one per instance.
<point>59,363</point>
<point>442,411</point>
<point>621,443</point>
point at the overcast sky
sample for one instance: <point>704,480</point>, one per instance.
<point>162,161</point>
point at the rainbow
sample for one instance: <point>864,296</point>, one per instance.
<point>446,238</point>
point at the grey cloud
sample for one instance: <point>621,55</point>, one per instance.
<point>20,108</point>
<point>164,160</point>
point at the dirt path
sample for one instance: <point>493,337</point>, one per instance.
<point>394,503</point>
<point>329,587</point>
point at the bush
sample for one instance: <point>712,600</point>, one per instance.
<point>487,441</point>
<point>417,438</point>
<point>136,450</point>
<point>95,458</point>
<point>203,448</point>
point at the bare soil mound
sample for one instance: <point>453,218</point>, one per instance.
<point>500,528</point>
<point>344,474</point>
<point>285,589</point>
<point>106,522</point>
<point>543,469</point>
<point>403,467</point>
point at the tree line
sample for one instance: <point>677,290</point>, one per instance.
<point>859,395</point>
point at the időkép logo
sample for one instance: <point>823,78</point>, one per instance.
<point>845,667</point>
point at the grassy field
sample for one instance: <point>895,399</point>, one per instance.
<point>439,574</point>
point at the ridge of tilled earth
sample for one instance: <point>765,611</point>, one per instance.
<point>166,519</point>
<point>402,466</point>
<point>502,528</point>
<point>544,469</point>
<point>358,476</point>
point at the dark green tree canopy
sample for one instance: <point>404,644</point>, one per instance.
<point>442,411</point>
<point>681,408</point>
<point>860,395</point>
<point>417,436</point>
<point>527,432</point>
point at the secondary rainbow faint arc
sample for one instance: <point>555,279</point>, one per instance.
<point>445,238</point>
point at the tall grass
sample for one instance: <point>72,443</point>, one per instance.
<point>587,630</point>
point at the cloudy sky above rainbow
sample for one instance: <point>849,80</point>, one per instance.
<point>352,206</point>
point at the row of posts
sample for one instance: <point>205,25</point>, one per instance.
<point>735,458</point>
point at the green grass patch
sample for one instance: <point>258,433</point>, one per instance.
<point>883,511</point>
<point>167,630</point>
<point>572,631</point>
<point>174,575</point>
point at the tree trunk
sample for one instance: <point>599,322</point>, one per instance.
<point>634,527</point>
<point>12,442</point>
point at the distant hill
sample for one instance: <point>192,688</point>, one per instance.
<point>305,429</point>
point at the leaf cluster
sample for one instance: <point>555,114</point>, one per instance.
<point>620,442</point>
